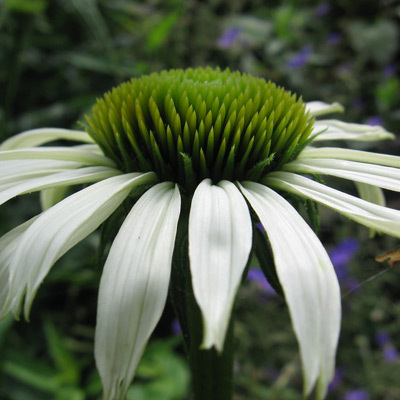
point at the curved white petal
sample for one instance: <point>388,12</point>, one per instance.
<point>37,137</point>
<point>371,193</point>
<point>78,154</point>
<point>317,108</point>
<point>50,197</point>
<point>220,239</point>
<point>60,228</point>
<point>308,281</point>
<point>134,286</point>
<point>16,169</point>
<point>351,155</point>
<point>8,245</point>
<point>339,130</point>
<point>372,174</point>
<point>74,177</point>
<point>381,219</point>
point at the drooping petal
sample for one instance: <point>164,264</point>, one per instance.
<point>37,137</point>
<point>50,197</point>
<point>8,244</point>
<point>351,155</point>
<point>16,169</point>
<point>78,154</point>
<point>74,177</point>
<point>60,228</point>
<point>308,280</point>
<point>372,174</point>
<point>381,219</point>
<point>371,193</point>
<point>318,108</point>
<point>339,130</point>
<point>220,239</point>
<point>134,286</point>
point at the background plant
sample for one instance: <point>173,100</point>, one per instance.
<point>57,56</point>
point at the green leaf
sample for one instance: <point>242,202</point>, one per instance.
<point>160,31</point>
<point>166,374</point>
<point>63,358</point>
<point>27,6</point>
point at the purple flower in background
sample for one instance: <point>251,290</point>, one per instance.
<point>374,120</point>
<point>337,380</point>
<point>301,58</point>
<point>228,38</point>
<point>342,254</point>
<point>357,103</point>
<point>322,10</point>
<point>256,275</point>
<point>382,338</point>
<point>176,328</point>
<point>333,38</point>
<point>390,353</point>
<point>345,69</point>
<point>358,394</point>
<point>389,71</point>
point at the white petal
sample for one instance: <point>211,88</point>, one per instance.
<point>372,174</point>
<point>371,193</point>
<point>317,108</point>
<point>220,239</point>
<point>351,155</point>
<point>308,280</point>
<point>8,244</point>
<point>74,177</point>
<point>52,196</point>
<point>36,137</point>
<point>376,217</point>
<point>339,130</point>
<point>78,154</point>
<point>134,286</point>
<point>14,169</point>
<point>60,228</point>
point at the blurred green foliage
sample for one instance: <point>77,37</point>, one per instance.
<point>57,56</point>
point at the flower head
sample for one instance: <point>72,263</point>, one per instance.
<point>222,151</point>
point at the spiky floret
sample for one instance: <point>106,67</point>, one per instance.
<point>187,125</point>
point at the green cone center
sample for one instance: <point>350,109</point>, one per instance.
<point>188,125</point>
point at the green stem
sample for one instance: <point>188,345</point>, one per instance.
<point>212,373</point>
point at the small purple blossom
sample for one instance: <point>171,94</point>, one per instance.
<point>333,38</point>
<point>301,58</point>
<point>390,353</point>
<point>374,120</point>
<point>358,394</point>
<point>357,103</point>
<point>260,227</point>
<point>228,38</point>
<point>322,9</point>
<point>176,328</point>
<point>342,254</point>
<point>256,276</point>
<point>382,338</point>
<point>389,71</point>
<point>337,380</point>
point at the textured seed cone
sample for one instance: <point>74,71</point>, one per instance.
<point>188,125</point>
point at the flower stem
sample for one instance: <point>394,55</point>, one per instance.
<point>212,373</point>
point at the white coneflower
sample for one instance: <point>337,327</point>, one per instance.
<point>203,155</point>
